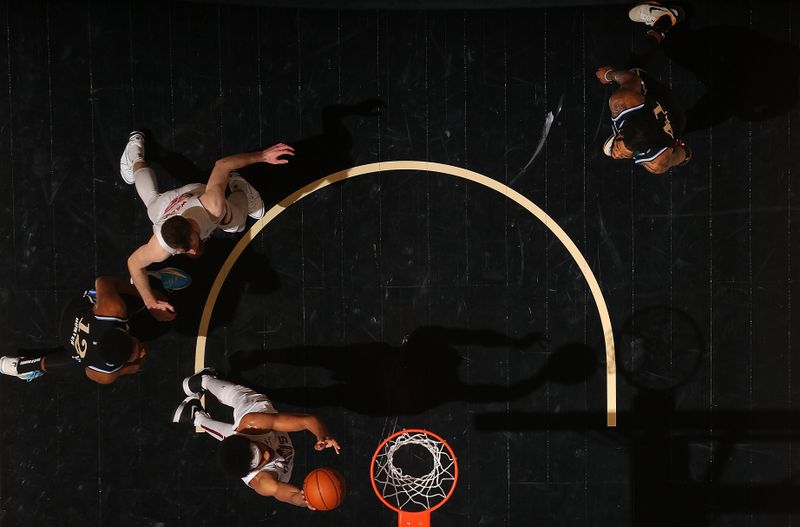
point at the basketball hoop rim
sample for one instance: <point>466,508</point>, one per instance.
<point>413,431</point>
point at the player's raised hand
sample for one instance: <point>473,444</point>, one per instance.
<point>272,154</point>
<point>327,442</point>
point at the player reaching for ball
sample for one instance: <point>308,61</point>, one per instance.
<point>257,446</point>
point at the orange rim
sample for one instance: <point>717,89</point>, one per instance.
<point>413,431</point>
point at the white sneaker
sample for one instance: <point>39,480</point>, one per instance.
<point>133,153</point>
<point>8,366</point>
<point>255,205</point>
<point>649,12</point>
<point>608,145</point>
<point>193,385</point>
<point>188,409</point>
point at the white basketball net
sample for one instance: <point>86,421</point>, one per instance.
<point>409,492</point>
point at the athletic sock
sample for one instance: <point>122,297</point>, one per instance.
<point>28,365</point>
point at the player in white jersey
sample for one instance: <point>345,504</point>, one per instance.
<point>185,217</point>
<point>256,447</point>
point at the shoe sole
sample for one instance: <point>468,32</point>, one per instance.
<point>608,145</point>
<point>171,278</point>
<point>176,417</point>
<point>258,214</point>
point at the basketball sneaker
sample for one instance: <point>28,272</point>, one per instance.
<point>133,153</point>
<point>255,205</point>
<point>609,143</point>
<point>8,366</point>
<point>650,12</point>
<point>188,409</point>
<point>193,385</point>
<point>171,278</point>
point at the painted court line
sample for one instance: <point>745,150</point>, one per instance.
<point>566,241</point>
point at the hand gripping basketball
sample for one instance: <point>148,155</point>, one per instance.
<point>324,489</point>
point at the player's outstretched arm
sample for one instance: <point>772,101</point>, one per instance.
<point>289,422</point>
<point>266,484</point>
<point>111,304</point>
<point>626,79</point>
<point>145,255</point>
<point>214,198</point>
<point>316,426</point>
<point>629,93</point>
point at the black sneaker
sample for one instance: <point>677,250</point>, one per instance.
<point>186,411</point>
<point>193,385</point>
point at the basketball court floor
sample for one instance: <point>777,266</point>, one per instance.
<point>449,250</point>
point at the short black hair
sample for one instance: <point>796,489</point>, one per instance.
<point>177,233</point>
<point>115,347</point>
<point>641,132</point>
<point>234,456</point>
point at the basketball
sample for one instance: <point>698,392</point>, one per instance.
<point>324,488</point>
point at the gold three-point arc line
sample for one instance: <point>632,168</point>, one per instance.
<point>605,319</point>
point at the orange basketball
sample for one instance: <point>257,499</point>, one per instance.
<point>324,488</point>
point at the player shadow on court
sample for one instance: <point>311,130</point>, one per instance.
<point>419,375</point>
<point>252,274</point>
<point>661,351</point>
<point>745,74</point>
<point>315,157</point>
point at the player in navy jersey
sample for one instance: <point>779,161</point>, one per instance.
<point>646,120</point>
<point>95,334</point>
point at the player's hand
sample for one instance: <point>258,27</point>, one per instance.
<point>305,502</point>
<point>160,314</point>
<point>327,442</point>
<point>272,154</point>
<point>159,305</point>
<point>602,74</point>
